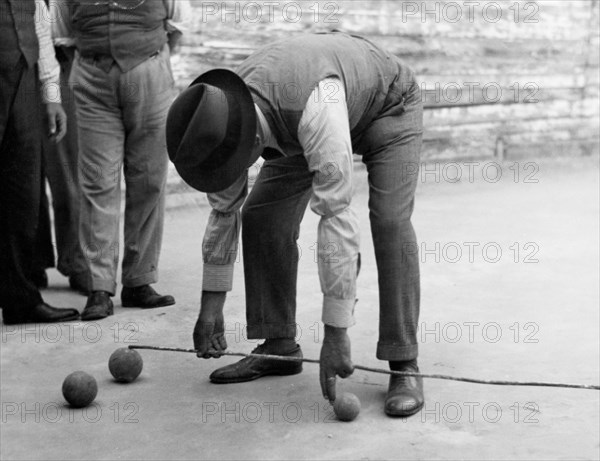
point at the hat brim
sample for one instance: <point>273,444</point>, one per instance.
<point>219,179</point>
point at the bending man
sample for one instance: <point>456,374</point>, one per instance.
<point>306,104</point>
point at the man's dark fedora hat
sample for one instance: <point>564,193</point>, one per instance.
<point>211,129</point>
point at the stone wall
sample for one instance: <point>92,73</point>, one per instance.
<point>500,79</point>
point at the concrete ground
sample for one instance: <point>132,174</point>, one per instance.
<point>509,291</point>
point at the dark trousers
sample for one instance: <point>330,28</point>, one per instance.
<point>60,167</point>
<point>271,218</point>
<point>20,185</point>
<point>44,254</point>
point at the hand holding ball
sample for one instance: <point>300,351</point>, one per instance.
<point>125,364</point>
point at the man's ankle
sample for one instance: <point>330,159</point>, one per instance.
<point>399,365</point>
<point>279,345</point>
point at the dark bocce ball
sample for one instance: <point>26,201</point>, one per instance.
<point>79,389</point>
<point>346,406</point>
<point>125,364</point>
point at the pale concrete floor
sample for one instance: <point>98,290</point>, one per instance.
<point>491,320</point>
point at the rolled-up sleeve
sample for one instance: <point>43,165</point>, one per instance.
<point>179,11</point>
<point>48,67</point>
<point>220,245</point>
<point>324,134</point>
<point>179,16</point>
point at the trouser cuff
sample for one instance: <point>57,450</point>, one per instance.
<point>146,279</point>
<point>104,285</point>
<point>397,352</point>
<point>271,331</point>
<point>69,271</point>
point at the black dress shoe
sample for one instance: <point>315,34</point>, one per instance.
<point>79,284</point>
<point>405,393</point>
<point>251,368</point>
<point>43,313</point>
<point>144,297</point>
<point>98,306</point>
<point>40,278</point>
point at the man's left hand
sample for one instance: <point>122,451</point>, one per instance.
<point>335,360</point>
<point>57,121</point>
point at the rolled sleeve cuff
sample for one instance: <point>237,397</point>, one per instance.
<point>217,277</point>
<point>64,41</point>
<point>51,92</point>
<point>338,313</point>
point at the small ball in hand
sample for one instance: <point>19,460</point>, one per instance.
<point>346,406</point>
<point>79,389</point>
<point>125,364</point>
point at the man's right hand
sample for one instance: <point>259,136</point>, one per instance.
<point>57,121</point>
<point>209,332</point>
<point>335,360</point>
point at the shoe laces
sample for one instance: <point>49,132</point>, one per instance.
<point>405,379</point>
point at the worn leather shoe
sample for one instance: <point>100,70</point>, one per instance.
<point>144,297</point>
<point>251,368</point>
<point>43,313</point>
<point>98,306</point>
<point>405,393</point>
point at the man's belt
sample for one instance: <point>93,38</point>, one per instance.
<point>105,61</point>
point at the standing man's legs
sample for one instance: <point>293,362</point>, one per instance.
<point>20,169</point>
<point>392,159</point>
<point>146,93</point>
<point>61,166</point>
<point>102,138</point>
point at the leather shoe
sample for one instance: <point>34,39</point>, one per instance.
<point>144,297</point>
<point>79,284</point>
<point>251,368</point>
<point>98,306</point>
<point>43,313</point>
<point>405,393</point>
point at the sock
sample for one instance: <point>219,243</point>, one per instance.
<point>400,365</point>
<point>280,345</point>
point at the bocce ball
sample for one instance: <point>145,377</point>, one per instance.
<point>346,406</point>
<point>79,389</point>
<point>125,364</point>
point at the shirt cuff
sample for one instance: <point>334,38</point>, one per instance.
<point>338,313</point>
<point>217,277</point>
<point>51,92</point>
<point>64,41</point>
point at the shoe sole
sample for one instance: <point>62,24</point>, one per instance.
<point>27,321</point>
<point>68,319</point>
<point>254,377</point>
<point>405,414</point>
<point>128,304</point>
<point>97,317</point>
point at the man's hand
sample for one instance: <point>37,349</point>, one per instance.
<point>335,360</point>
<point>57,121</point>
<point>174,37</point>
<point>209,332</point>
